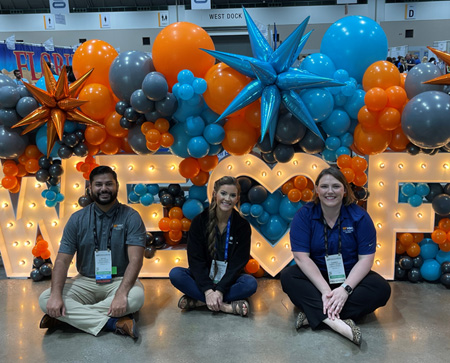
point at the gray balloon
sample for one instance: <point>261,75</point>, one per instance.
<point>23,91</point>
<point>140,102</point>
<point>421,73</point>
<point>311,143</point>
<point>283,153</point>
<point>9,96</point>
<point>152,116</point>
<point>26,105</point>
<point>441,204</point>
<point>167,106</point>
<point>121,106</point>
<point>36,275</point>
<point>12,144</point>
<point>289,129</point>
<point>137,141</point>
<point>6,81</point>
<point>128,71</point>
<point>425,119</point>
<point>155,86</point>
<point>46,269</point>
<point>9,117</point>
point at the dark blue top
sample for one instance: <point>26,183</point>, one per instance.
<point>358,234</point>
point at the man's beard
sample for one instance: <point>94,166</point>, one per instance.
<point>112,198</point>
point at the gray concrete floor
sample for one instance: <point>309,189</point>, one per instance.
<point>413,327</point>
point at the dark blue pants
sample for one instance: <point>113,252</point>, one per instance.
<point>183,280</point>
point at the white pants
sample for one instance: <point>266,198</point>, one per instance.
<point>87,302</point>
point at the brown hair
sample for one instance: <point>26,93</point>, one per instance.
<point>212,218</point>
<point>349,197</point>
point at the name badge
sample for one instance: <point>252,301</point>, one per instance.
<point>103,267</point>
<point>221,269</point>
<point>335,269</point>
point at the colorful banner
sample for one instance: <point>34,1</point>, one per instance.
<point>29,58</point>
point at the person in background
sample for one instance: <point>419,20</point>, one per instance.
<point>333,241</point>
<point>109,240</point>
<point>218,249</point>
<point>70,76</point>
<point>18,78</point>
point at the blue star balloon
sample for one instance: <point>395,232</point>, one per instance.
<point>274,79</point>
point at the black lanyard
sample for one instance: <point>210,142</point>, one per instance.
<point>97,243</point>
<point>219,238</point>
<point>325,234</point>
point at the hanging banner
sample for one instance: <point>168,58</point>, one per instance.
<point>59,7</point>
<point>28,59</point>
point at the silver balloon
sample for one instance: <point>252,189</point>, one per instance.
<point>26,105</point>
<point>425,119</point>
<point>421,73</point>
<point>9,117</point>
<point>9,96</point>
<point>140,102</point>
<point>155,86</point>
<point>12,144</point>
<point>6,81</point>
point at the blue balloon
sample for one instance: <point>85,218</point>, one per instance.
<point>44,193</point>
<point>288,209</point>
<point>263,218</point>
<point>341,75</point>
<point>55,188</point>
<point>153,189</point>
<point>415,200</point>
<point>426,241</point>
<point>442,257</point>
<point>349,88</point>
<point>339,99</point>
<point>333,143</point>
<point>422,189</point>
<point>50,203</point>
<point>343,150</point>
<point>329,155</point>
<point>346,139</point>
<point>60,197</point>
<point>272,203</point>
<point>194,125</point>
<point>186,92</point>
<point>192,208</point>
<point>147,199</point>
<point>319,102</point>
<point>353,43</point>
<point>51,195</point>
<point>337,123</point>
<point>245,209</point>
<point>181,139</point>
<point>133,197</point>
<point>354,103</point>
<point>199,85</point>
<point>140,189</point>
<point>185,76</point>
<point>198,147</point>
<point>319,64</point>
<point>215,149</point>
<point>429,250</point>
<point>214,134</point>
<point>408,189</point>
<point>256,210</point>
<point>198,192</point>
<point>186,109</point>
<point>402,198</point>
<point>41,142</point>
<point>70,126</point>
<point>275,228</point>
<point>41,82</point>
<point>175,89</point>
<point>210,116</point>
<point>430,270</point>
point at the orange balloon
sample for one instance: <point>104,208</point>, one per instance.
<point>94,54</point>
<point>32,166</point>
<point>224,84</point>
<point>367,119</point>
<point>359,164</point>
<point>22,171</point>
<point>162,125</point>
<point>444,224</point>
<point>125,146</point>
<point>406,239</point>
<point>176,213</point>
<point>146,126</point>
<point>153,136</point>
<point>413,250</point>
<point>253,114</point>
<point>16,189</point>
<point>32,151</point>
<point>376,99</point>
<point>445,246</point>
<point>208,162</point>
<point>240,136</point>
<point>92,149</point>
<point>177,47</point>
<point>300,182</point>
<point>189,168</point>
<point>402,79</point>
<point>381,74</point>
<point>287,186</point>
<point>112,125</point>
<point>259,273</point>
<point>349,174</point>
<point>399,140</point>
<point>95,135</point>
<point>111,145</point>
<point>10,169</point>
<point>22,159</point>
<point>418,237</point>
<point>252,266</point>
<point>164,224</point>
<point>344,161</point>
<point>307,195</point>
<point>35,252</point>
<point>100,101</point>
<point>294,195</point>
<point>360,179</point>
<point>167,139</point>
<point>42,245</point>
<point>153,146</point>
<point>201,178</point>
<point>371,142</point>
<point>9,182</point>
<point>46,254</point>
<point>185,224</point>
<point>175,224</point>
<point>399,248</point>
<point>389,119</point>
<point>439,236</point>
<point>396,97</point>
<point>175,236</point>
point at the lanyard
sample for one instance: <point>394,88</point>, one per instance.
<point>227,239</point>
<point>97,243</point>
<point>325,234</point>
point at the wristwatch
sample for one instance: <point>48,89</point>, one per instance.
<point>347,288</point>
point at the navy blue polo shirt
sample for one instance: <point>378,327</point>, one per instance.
<point>358,235</point>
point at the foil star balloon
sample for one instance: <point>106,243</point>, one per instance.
<point>57,104</point>
<point>445,79</point>
<point>274,79</point>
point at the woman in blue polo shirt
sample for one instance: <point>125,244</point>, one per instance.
<point>333,241</point>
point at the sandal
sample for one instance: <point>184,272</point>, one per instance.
<point>187,303</point>
<point>238,307</point>
<point>301,317</point>
<point>356,331</point>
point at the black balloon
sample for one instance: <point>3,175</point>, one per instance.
<point>121,106</point>
<point>268,158</point>
<point>65,152</point>
<point>148,238</point>
<point>42,175</point>
<point>149,252</point>
<point>46,269</point>
<point>441,204</point>
<point>125,124</point>
<point>84,200</point>
<point>54,180</point>
<point>400,273</point>
<point>283,153</point>
<point>447,189</point>
<point>311,143</point>
<point>418,261</point>
<point>44,162</point>
<point>265,146</point>
<point>80,135</point>
<point>445,267</point>
<point>131,115</point>
<point>245,183</point>
<point>289,129</point>
<point>38,261</point>
<point>361,193</point>
<point>445,280</point>
<point>435,189</point>
<point>162,191</point>
<point>70,139</point>
<point>257,194</point>
<point>174,189</point>
<point>414,275</point>
<point>406,262</point>
<point>179,200</point>
<point>167,200</point>
<point>36,275</point>
<point>81,150</point>
<point>159,241</point>
<point>429,151</point>
<point>55,170</point>
<point>412,149</point>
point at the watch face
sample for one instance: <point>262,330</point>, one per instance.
<point>348,289</point>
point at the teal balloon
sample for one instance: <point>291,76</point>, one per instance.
<point>430,270</point>
<point>275,228</point>
<point>194,125</point>
<point>147,199</point>
<point>319,102</point>
<point>319,64</point>
<point>408,189</point>
<point>442,257</point>
<point>214,134</point>
<point>422,189</point>
<point>153,189</point>
<point>245,209</point>
<point>272,203</point>
<point>353,43</point>
<point>256,210</point>
<point>41,142</point>
<point>133,197</point>
<point>354,103</point>
<point>181,139</point>
<point>198,147</point>
<point>191,208</point>
<point>198,192</point>
<point>263,218</point>
<point>337,123</point>
<point>140,189</point>
<point>415,200</point>
<point>333,143</point>
<point>429,250</point>
<point>288,209</point>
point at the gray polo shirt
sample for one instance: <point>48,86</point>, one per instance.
<point>78,236</point>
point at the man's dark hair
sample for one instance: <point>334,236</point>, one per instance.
<point>102,169</point>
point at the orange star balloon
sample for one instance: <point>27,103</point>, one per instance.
<point>445,79</point>
<point>58,104</point>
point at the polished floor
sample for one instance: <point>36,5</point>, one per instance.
<point>413,327</point>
